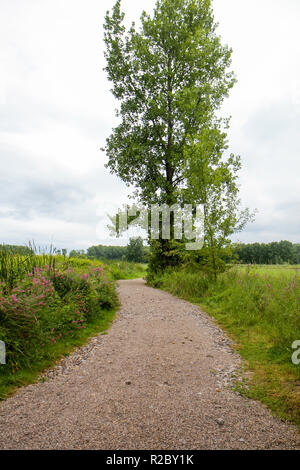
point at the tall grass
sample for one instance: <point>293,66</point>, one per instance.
<point>260,308</point>
<point>126,269</point>
<point>14,266</point>
<point>252,297</point>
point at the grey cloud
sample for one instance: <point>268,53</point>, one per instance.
<point>39,197</point>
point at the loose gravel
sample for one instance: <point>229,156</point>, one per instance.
<point>160,379</point>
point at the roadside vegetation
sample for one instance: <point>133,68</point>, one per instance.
<point>259,307</point>
<point>50,304</point>
<point>126,270</point>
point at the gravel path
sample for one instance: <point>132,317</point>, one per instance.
<point>160,379</point>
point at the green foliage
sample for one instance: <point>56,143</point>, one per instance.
<point>268,253</point>
<point>126,270</point>
<point>16,249</point>
<point>203,260</point>
<point>269,299</point>
<point>77,254</point>
<point>218,191</point>
<point>14,266</point>
<point>50,354</point>
<point>134,251</point>
<point>107,252</point>
<point>165,254</point>
<point>170,78</point>
<point>80,262</point>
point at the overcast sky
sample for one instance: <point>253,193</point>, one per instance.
<point>56,112</point>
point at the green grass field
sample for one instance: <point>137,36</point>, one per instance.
<point>259,307</point>
<point>126,270</point>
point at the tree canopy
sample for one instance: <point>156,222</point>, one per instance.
<point>268,253</point>
<point>170,78</point>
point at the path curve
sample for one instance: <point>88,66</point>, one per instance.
<point>160,379</point>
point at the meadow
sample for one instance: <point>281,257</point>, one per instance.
<point>126,270</point>
<point>50,304</point>
<point>259,307</point>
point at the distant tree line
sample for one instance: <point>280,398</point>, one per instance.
<point>134,251</point>
<point>16,249</point>
<point>107,252</point>
<point>24,250</point>
<point>251,253</point>
<point>268,253</point>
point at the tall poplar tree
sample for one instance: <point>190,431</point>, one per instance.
<point>170,77</point>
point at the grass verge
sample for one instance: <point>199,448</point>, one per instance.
<point>259,310</point>
<point>9,383</point>
<point>121,270</point>
<point>275,384</point>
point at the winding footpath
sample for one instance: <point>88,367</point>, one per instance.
<point>160,379</point>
